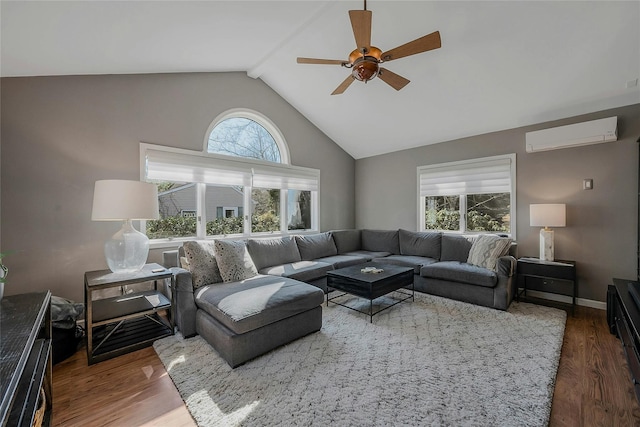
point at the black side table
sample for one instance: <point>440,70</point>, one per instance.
<point>556,277</point>
<point>119,325</point>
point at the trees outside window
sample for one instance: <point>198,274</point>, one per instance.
<point>242,137</point>
<point>266,210</point>
<point>299,210</point>
<point>484,212</point>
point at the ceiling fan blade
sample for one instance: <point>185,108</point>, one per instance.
<point>361,24</point>
<point>423,44</point>
<point>321,61</point>
<point>392,79</point>
<point>343,86</point>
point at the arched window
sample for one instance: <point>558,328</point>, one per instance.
<point>246,133</point>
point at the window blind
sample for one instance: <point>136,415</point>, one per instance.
<point>286,178</point>
<point>179,167</point>
<point>480,176</point>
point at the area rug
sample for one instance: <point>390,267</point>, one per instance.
<point>430,362</point>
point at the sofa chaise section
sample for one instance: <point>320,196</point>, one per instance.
<point>246,318</point>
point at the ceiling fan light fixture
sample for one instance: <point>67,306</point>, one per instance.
<point>365,69</point>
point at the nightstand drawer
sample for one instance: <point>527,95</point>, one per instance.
<point>552,285</point>
<point>557,271</point>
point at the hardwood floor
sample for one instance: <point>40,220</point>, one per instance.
<point>131,390</point>
<point>593,386</point>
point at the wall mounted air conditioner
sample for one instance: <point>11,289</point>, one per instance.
<point>576,135</point>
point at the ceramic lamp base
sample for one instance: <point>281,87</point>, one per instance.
<point>546,245</point>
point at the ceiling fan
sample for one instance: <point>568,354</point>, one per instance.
<point>365,60</point>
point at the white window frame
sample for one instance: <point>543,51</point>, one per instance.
<point>463,165</point>
<point>284,175</point>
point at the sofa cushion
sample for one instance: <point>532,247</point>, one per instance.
<point>305,271</point>
<point>455,247</point>
<point>201,262</point>
<point>456,271</point>
<point>417,262</point>
<point>261,300</point>
<point>368,255</point>
<point>340,261</point>
<point>427,244</point>
<point>234,260</point>
<point>486,250</point>
<point>315,246</point>
<point>268,252</point>
<point>346,240</point>
<point>380,241</point>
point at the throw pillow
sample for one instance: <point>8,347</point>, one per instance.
<point>234,260</point>
<point>202,263</point>
<point>486,250</point>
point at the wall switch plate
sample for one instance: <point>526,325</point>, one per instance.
<point>587,184</point>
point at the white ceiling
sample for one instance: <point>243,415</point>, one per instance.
<point>502,64</point>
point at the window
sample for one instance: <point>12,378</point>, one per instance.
<point>248,134</point>
<point>204,194</point>
<point>242,137</point>
<point>177,205</point>
<point>468,196</point>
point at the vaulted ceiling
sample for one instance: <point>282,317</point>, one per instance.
<point>502,64</point>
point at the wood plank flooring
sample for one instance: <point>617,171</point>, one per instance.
<point>593,386</point>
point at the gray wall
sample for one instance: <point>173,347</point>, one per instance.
<point>61,134</point>
<point>601,232</point>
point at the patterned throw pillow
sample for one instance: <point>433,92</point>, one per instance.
<point>486,250</point>
<point>234,260</point>
<point>202,263</point>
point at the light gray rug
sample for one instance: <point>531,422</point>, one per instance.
<point>431,362</point>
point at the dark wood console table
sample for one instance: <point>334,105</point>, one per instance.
<point>25,358</point>
<point>623,315</point>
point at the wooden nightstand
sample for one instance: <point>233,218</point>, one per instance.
<point>556,277</point>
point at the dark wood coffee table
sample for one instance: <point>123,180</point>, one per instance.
<point>351,280</point>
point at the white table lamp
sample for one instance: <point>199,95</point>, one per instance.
<point>547,215</point>
<point>121,200</point>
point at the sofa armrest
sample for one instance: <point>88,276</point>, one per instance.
<point>506,266</point>
<point>184,302</point>
<point>505,289</point>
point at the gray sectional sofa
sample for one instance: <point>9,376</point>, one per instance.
<point>246,318</point>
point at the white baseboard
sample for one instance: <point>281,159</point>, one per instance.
<point>600,305</point>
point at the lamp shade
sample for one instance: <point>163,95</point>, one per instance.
<point>548,215</point>
<point>115,200</point>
